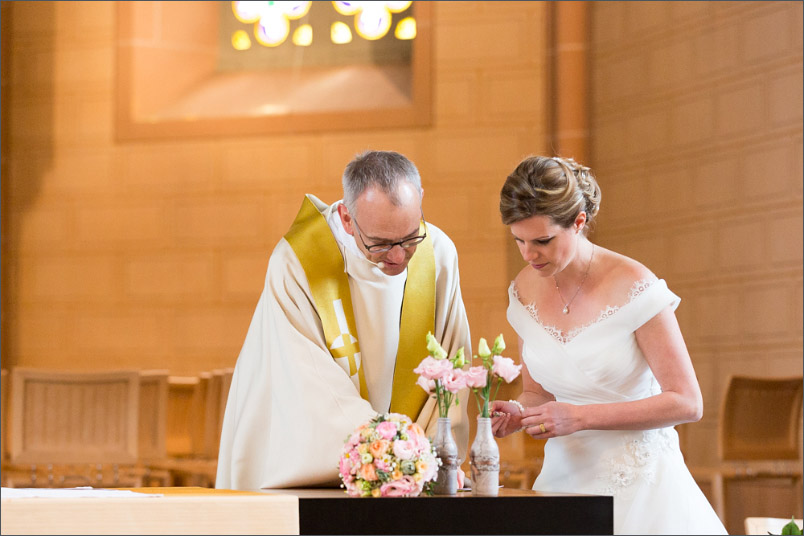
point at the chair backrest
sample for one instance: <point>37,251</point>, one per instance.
<point>217,393</point>
<point>74,417</point>
<point>153,414</point>
<point>3,415</point>
<point>226,384</point>
<point>760,418</point>
<point>185,417</point>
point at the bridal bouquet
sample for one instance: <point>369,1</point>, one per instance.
<point>440,376</point>
<point>388,456</point>
<point>481,378</point>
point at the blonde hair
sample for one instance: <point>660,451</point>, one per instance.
<point>550,186</point>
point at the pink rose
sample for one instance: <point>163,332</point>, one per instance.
<point>403,449</point>
<point>418,440</point>
<point>345,467</point>
<point>432,368</point>
<point>475,377</point>
<point>427,385</point>
<point>404,487</point>
<point>386,429</point>
<point>505,368</point>
<point>454,381</point>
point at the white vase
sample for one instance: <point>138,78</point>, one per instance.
<point>447,451</point>
<point>484,456</point>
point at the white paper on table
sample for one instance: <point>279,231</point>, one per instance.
<point>73,493</point>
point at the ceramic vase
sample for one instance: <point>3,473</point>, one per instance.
<point>447,451</point>
<point>484,458</point>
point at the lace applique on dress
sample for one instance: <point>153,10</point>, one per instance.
<point>636,289</point>
<point>637,461</point>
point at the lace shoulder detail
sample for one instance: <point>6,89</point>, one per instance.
<point>638,288</point>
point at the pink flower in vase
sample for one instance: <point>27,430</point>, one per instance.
<point>432,368</point>
<point>454,381</point>
<point>505,368</point>
<point>428,385</point>
<point>476,377</point>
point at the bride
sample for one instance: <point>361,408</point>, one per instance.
<point>606,371</point>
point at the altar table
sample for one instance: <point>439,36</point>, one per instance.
<point>514,511</point>
<point>309,511</point>
<point>179,511</point>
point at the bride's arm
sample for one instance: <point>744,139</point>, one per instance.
<point>679,402</point>
<point>532,394</point>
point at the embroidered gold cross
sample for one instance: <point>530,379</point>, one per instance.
<point>348,349</point>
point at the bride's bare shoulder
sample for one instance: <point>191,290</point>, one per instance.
<point>621,273</point>
<point>528,284</point>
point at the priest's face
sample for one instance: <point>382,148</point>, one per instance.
<point>385,232</point>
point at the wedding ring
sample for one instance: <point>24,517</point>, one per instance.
<point>542,428</point>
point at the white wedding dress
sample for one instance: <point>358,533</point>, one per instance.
<point>644,470</point>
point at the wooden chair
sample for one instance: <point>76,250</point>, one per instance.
<point>760,441</point>
<point>152,450</point>
<point>185,416</point>
<point>223,397</point>
<point>153,415</point>
<point>81,426</point>
<point>187,459</point>
<point>4,424</point>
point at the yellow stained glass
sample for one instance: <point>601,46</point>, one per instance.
<point>373,22</point>
<point>340,33</point>
<point>406,28</point>
<point>241,40</point>
<point>303,36</point>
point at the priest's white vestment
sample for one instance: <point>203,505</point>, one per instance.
<point>290,404</point>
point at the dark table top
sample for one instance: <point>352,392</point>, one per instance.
<point>513,511</point>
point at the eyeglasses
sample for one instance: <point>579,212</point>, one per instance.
<point>382,248</point>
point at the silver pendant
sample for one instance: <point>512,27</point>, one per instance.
<point>566,310</point>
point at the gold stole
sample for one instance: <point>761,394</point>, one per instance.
<point>316,248</point>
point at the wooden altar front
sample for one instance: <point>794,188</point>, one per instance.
<point>308,511</point>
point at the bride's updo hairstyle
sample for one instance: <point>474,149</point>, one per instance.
<point>556,187</point>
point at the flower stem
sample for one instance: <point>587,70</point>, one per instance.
<point>499,383</point>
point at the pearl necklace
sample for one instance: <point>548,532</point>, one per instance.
<point>566,309</point>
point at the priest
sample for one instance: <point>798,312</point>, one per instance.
<point>350,293</point>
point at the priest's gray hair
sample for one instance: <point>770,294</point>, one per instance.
<point>381,169</point>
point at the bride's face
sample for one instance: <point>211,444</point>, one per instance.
<point>547,247</point>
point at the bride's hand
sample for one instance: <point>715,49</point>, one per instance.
<point>505,418</point>
<point>551,420</point>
